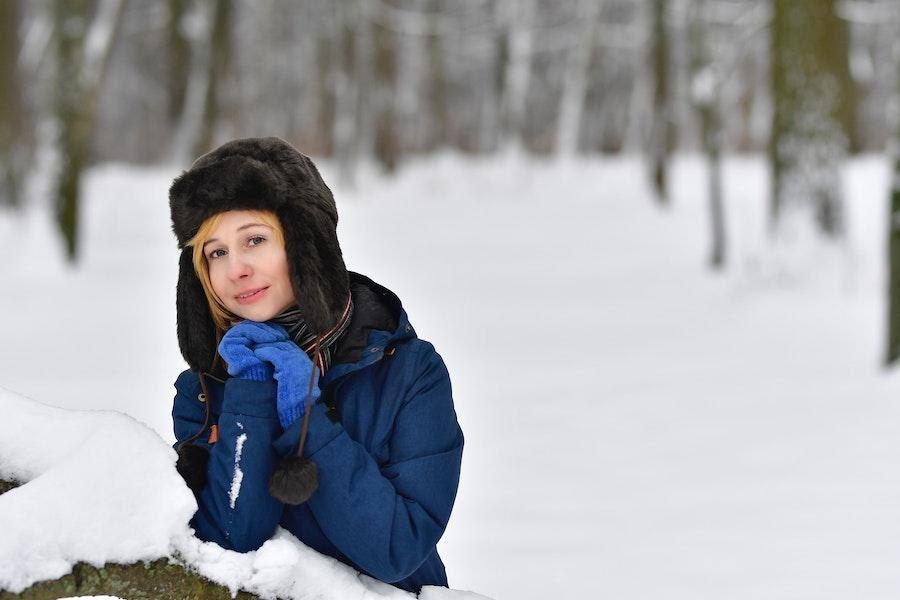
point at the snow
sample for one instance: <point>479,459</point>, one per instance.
<point>238,474</point>
<point>636,426</point>
<point>101,489</point>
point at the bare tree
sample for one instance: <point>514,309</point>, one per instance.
<point>705,94</point>
<point>809,139</point>
<point>519,17</point>
<point>14,140</point>
<point>387,147</point>
<point>84,48</point>
<point>660,121</point>
<point>437,81</point>
<point>344,77</point>
<point>219,60</point>
<point>892,352</point>
<point>571,110</point>
<point>178,58</point>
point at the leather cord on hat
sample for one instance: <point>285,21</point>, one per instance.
<point>317,360</point>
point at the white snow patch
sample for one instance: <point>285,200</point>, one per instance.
<point>101,487</point>
<point>238,474</point>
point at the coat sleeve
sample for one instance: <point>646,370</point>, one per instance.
<point>234,508</point>
<point>388,518</point>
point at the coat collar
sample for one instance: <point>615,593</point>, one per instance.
<point>379,323</point>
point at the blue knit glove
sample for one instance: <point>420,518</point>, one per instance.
<point>238,343</point>
<point>293,369</point>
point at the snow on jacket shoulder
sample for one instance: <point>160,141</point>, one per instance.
<point>388,463</point>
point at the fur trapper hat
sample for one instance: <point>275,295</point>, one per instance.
<point>259,174</point>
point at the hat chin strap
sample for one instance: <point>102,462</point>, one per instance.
<point>296,478</point>
<point>312,382</point>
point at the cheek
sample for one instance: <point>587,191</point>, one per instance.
<point>216,279</point>
<point>285,278</point>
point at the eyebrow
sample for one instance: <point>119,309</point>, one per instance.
<point>241,228</point>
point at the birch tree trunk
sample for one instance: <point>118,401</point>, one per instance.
<point>519,15</point>
<point>576,78</point>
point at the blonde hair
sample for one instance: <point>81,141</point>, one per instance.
<point>222,317</point>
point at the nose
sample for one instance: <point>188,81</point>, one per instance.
<point>238,268</point>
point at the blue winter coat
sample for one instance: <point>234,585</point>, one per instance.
<point>388,461</point>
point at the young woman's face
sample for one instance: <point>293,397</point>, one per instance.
<point>248,267</point>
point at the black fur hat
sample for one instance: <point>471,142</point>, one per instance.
<point>259,174</point>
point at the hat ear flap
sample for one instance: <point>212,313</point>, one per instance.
<point>196,330</point>
<point>318,275</point>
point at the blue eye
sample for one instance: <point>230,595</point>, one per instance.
<point>250,242</point>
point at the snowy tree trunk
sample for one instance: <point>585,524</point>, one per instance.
<point>83,56</point>
<point>178,56</point>
<point>345,89</point>
<point>893,321</point>
<point>661,127</point>
<point>489,84</point>
<point>387,149</point>
<point>217,68</point>
<point>364,48</point>
<point>13,140</point>
<point>519,16</point>
<point>575,83</point>
<point>437,90</point>
<point>809,139</point>
<point>70,28</point>
<point>325,106</point>
<point>706,86</point>
<point>187,124</point>
<point>893,343</point>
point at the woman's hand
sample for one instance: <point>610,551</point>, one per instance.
<point>293,370</point>
<point>238,344</point>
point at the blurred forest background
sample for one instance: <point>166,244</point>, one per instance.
<point>805,82</point>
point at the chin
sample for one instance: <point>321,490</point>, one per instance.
<point>259,314</point>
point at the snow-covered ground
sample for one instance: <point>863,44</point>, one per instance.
<point>636,426</point>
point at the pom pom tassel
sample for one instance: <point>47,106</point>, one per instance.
<point>294,480</point>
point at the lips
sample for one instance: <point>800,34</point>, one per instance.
<point>251,295</point>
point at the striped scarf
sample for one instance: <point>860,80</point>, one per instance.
<point>292,320</point>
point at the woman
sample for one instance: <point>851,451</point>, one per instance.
<point>309,403</point>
